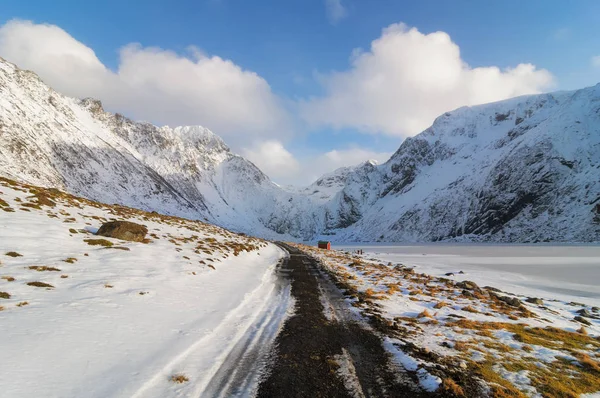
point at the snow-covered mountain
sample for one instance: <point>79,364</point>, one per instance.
<point>521,170</point>
<point>525,169</point>
<point>52,140</point>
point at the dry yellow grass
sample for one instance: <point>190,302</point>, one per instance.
<point>179,378</point>
<point>39,284</point>
<point>98,242</point>
<point>8,278</point>
<point>450,386</point>
<point>42,268</point>
<point>588,362</point>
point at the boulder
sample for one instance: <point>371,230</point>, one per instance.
<point>124,230</point>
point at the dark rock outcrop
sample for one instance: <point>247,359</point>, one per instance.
<point>535,300</point>
<point>124,230</point>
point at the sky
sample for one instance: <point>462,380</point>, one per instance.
<point>301,87</point>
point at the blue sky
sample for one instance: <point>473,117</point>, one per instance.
<point>294,46</point>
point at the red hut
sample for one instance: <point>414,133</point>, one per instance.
<point>324,244</point>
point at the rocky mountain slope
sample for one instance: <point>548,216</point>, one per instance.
<point>52,140</point>
<point>521,170</point>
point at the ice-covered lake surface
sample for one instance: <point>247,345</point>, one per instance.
<point>567,272</point>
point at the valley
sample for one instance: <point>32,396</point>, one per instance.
<point>520,170</point>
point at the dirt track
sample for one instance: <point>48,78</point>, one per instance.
<point>316,340</point>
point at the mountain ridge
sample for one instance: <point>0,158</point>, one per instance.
<point>519,170</point>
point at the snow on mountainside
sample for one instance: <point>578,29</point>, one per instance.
<point>520,170</point>
<point>52,140</point>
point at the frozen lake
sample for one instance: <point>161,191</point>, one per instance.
<point>569,272</point>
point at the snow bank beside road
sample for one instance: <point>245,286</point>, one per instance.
<point>120,321</point>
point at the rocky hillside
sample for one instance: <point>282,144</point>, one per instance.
<point>521,170</point>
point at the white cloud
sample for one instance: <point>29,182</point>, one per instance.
<point>283,167</point>
<point>349,157</point>
<point>596,61</point>
<point>273,159</point>
<point>316,166</point>
<point>407,79</point>
<point>150,83</point>
<point>335,11</point>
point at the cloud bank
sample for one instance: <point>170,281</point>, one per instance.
<point>151,83</point>
<point>407,79</point>
<point>397,88</point>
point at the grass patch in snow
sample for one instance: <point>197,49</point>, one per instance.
<point>98,242</point>
<point>4,295</point>
<point>8,278</point>
<point>22,304</point>
<point>13,254</point>
<point>39,284</point>
<point>42,268</point>
<point>70,260</point>
<point>179,378</point>
<point>453,389</point>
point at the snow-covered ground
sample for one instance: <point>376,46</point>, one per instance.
<point>121,321</point>
<point>558,271</point>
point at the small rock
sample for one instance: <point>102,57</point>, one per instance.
<point>583,320</point>
<point>468,285</point>
<point>512,301</point>
<point>595,309</point>
<point>492,289</point>
<point>585,313</point>
<point>449,274</point>
<point>124,230</point>
<point>461,272</point>
<point>462,364</point>
<point>535,300</point>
